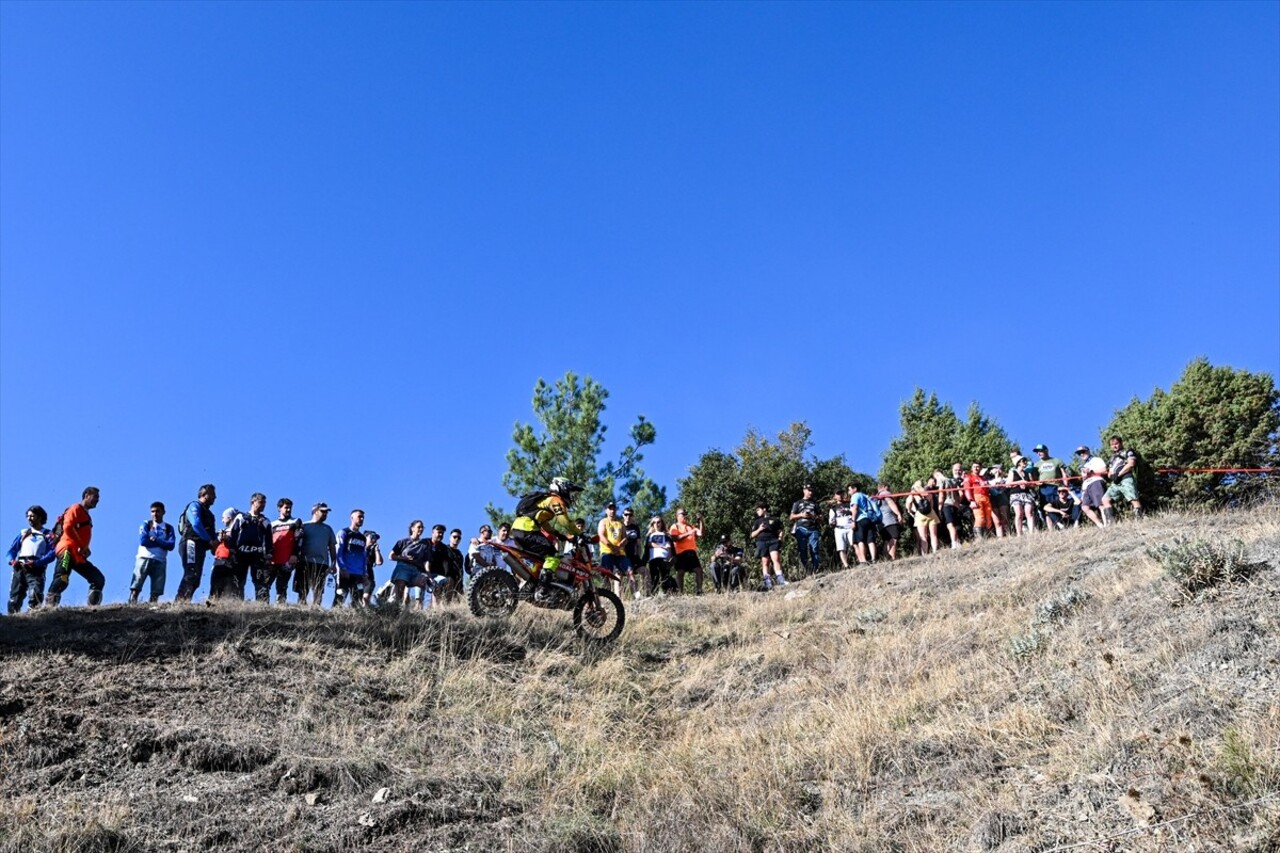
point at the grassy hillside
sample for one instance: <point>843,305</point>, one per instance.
<point>1023,695</point>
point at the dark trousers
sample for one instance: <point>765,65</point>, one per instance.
<point>224,582</point>
<point>26,578</point>
<point>192,553</point>
<point>280,575</point>
<point>260,571</point>
<point>62,577</point>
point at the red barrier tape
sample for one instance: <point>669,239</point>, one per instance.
<point>1034,485</point>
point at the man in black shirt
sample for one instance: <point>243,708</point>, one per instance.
<point>631,542</point>
<point>804,515</point>
<point>726,566</point>
<point>768,535</point>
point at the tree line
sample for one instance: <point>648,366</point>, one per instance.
<point>1212,417</point>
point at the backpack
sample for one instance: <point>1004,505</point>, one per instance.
<point>868,507</point>
<point>56,532</point>
<point>529,504</point>
<point>184,525</point>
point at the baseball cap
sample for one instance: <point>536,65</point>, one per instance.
<point>1038,448</point>
<point>611,505</point>
<point>1082,449</point>
<point>320,506</point>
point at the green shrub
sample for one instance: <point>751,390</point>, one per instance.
<point>1058,607</point>
<point>1196,564</point>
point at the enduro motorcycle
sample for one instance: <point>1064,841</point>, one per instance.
<point>597,613</point>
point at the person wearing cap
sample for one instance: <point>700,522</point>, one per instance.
<point>1124,483</point>
<point>804,527</point>
<point>223,582</point>
<point>1064,510</point>
<point>1050,471</point>
<point>1094,472</point>
<point>613,549</point>
<point>318,556</point>
<point>635,538</point>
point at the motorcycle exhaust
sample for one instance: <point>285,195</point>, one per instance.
<point>517,568</point>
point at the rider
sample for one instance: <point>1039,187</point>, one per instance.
<point>541,517</point>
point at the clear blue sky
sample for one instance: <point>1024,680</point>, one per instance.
<point>325,250</point>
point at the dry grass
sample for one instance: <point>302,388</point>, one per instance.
<point>875,710</point>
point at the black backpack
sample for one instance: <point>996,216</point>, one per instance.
<point>56,533</point>
<point>529,504</point>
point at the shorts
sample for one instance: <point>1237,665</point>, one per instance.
<point>892,532</point>
<point>864,532</point>
<point>687,561</point>
<point>615,563</point>
<point>405,573</point>
<point>764,547</point>
<point>1092,495</point>
<point>1126,489</point>
<point>1022,499</point>
<point>951,514</point>
<point>844,538</point>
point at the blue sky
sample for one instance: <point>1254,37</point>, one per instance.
<point>326,250</point>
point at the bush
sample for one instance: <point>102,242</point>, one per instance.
<point>1196,564</point>
<point>1058,607</point>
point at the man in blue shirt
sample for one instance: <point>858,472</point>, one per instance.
<point>155,540</point>
<point>199,536</point>
<point>353,547</point>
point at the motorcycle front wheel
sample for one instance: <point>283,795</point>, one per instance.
<point>601,620</point>
<point>493,593</point>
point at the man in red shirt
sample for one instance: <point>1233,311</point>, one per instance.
<point>72,550</point>
<point>978,493</point>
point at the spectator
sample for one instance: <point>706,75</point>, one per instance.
<point>977,493</point>
<point>890,520</point>
<point>155,540</point>
<point>286,546</point>
<point>997,483</point>
<point>481,553</point>
<point>804,518</point>
<point>613,548</point>
<point>373,559</point>
<point>410,558</point>
<point>352,560</point>
<point>952,514</point>
<point>840,517</point>
<point>29,556</point>
<point>251,546</point>
<point>768,536</point>
<point>726,566</point>
<point>1063,510</point>
<point>866,518</point>
<point>659,549</point>
<point>685,536</point>
<point>198,536</point>
<point>920,503</point>
<point>635,541</point>
<point>1124,482</point>
<point>1051,472</point>
<point>319,556</point>
<point>504,536</point>
<point>72,550</point>
<point>437,567</point>
<point>456,563</point>
<point>1094,472</point>
<point>223,579</point>
<point>1022,498</point>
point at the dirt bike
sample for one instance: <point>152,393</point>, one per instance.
<point>597,613</point>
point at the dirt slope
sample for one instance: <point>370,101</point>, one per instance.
<point>1012,696</point>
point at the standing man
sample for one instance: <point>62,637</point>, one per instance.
<point>634,537</point>
<point>373,559</point>
<point>1094,472</point>
<point>951,488</point>
<point>286,546</point>
<point>250,543</point>
<point>72,550</point>
<point>768,536</point>
<point>1050,471</point>
<point>866,521</point>
<point>353,562</point>
<point>685,536</point>
<point>198,537</point>
<point>155,540</point>
<point>437,567</point>
<point>613,548</point>
<point>1124,480</point>
<point>978,494</point>
<point>29,556</point>
<point>319,557</point>
<point>804,518</point>
<point>840,517</point>
<point>457,562</point>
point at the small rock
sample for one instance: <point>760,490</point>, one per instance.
<point>366,819</point>
<point>795,593</point>
<point>187,798</point>
<point>381,796</point>
<point>313,798</point>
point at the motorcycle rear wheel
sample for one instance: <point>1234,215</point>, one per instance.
<point>602,622</point>
<point>494,592</point>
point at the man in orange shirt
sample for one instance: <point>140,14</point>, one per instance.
<point>72,550</point>
<point>685,536</point>
<point>977,491</point>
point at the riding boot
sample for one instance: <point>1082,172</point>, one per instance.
<point>133,596</point>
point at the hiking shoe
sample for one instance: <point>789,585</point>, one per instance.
<point>768,583</point>
<point>782,581</point>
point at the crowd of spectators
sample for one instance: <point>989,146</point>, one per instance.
<point>286,554</point>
